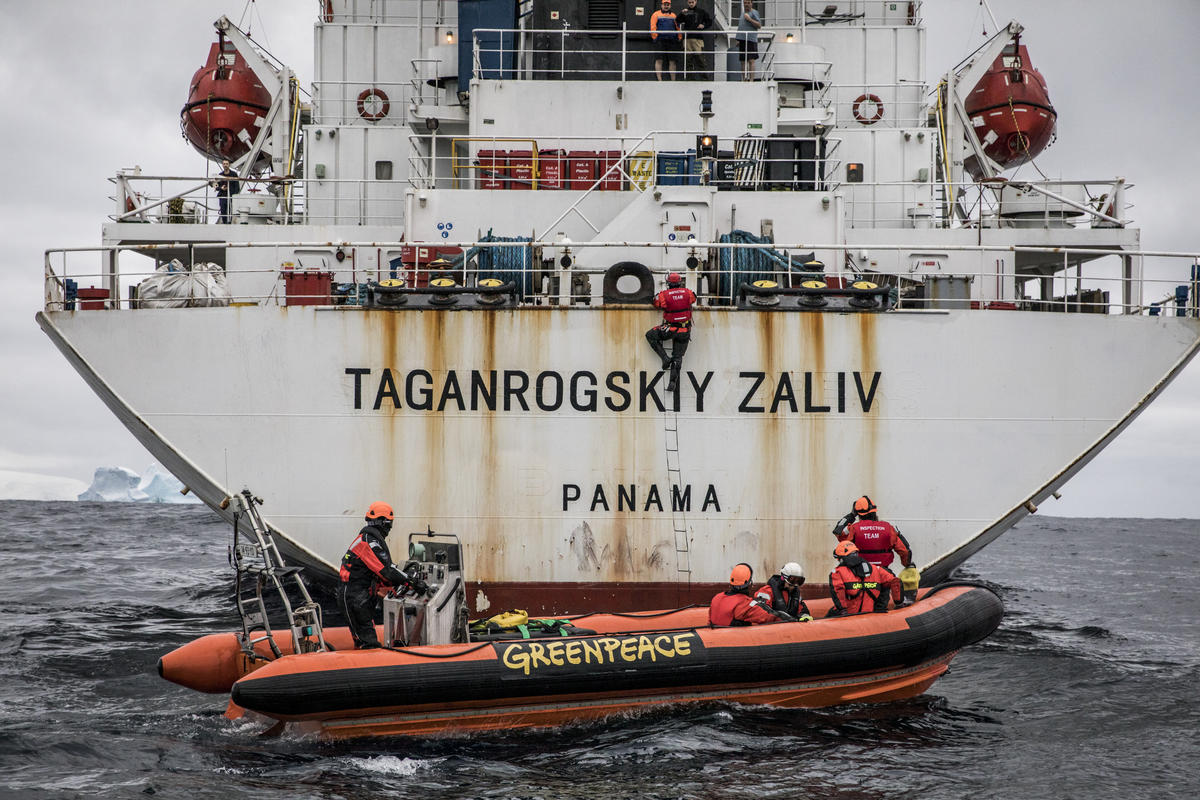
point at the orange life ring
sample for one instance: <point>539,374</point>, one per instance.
<point>373,95</point>
<point>871,98</point>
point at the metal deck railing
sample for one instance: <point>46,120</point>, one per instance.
<point>578,273</point>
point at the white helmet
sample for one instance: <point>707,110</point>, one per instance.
<point>791,570</point>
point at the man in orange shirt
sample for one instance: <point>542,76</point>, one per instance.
<point>734,606</point>
<point>664,32</point>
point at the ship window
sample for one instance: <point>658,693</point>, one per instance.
<point>383,170</point>
<point>604,15</point>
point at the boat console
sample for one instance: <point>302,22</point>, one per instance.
<point>440,615</point>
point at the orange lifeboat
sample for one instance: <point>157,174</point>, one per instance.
<point>1010,110</point>
<point>618,663</point>
<point>225,106</point>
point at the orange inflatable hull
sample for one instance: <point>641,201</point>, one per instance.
<point>632,662</point>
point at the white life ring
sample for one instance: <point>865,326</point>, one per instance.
<point>868,98</point>
<point>377,99</point>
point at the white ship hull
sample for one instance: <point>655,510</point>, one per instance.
<point>956,423</point>
<point>536,146</point>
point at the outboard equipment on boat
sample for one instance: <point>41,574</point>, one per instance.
<point>439,617</point>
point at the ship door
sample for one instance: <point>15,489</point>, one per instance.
<point>691,222</point>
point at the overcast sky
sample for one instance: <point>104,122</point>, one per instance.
<point>89,87</point>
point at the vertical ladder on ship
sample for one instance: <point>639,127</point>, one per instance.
<point>683,552</point>
<point>260,568</point>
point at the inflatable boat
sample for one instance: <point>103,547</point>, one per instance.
<point>619,663</point>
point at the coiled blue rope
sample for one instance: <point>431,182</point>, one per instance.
<point>503,263</point>
<point>737,265</point>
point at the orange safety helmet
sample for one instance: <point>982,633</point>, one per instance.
<point>864,506</point>
<point>380,510</point>
<point>674,279</point>
<point>741,576</point>
<point>846,548</point>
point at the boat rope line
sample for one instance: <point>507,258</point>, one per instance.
<point>632,615</point>
<point>409,652</point>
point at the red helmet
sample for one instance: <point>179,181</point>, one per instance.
<point>674,279</point>
<point>846,548</point>
<point>741,576</point>
<point>864,506</point>
<point>380,510</point>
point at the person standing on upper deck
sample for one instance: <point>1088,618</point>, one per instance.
<point>747,38</point>
<point>227,185</point>
<point>664,32</point>
<point>696,24</point>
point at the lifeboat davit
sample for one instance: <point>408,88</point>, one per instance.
<point>618,663</point>
<point>225,106</point>
<point>1010,110</point>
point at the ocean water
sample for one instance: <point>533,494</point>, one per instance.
<point>1088,689</point>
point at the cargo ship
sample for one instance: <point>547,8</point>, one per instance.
<point>430,279</point>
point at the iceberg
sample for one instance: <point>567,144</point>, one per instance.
<point>123,485</point>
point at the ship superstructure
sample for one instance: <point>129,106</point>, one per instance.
<point>436,281</point>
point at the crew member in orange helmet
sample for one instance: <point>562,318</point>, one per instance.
<point>735,606</point>
<point>676,302</point>
<point>859,587</point>
<point>876,539</point>
<point>367,573</point>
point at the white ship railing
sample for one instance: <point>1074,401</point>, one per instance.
<point>340,103</point>
<point>851,13</point>
<point>627,164</point>
<point>436,13</point>
<point>922,203</point>
<point>568,163</point>
<point>1104,281</point>
<point>618,54</point>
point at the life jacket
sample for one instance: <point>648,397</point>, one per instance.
<point>876,541</point>
<point>367,564</point>
<point>858,587</point>
<point>676,303</point>
<point>780,597</point>
<point>732,609</point>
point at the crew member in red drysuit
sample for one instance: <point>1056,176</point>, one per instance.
<point>676,302</point>
<point>858,586</point>
<point>876,540</point>
<point>782,592</point>
<point>367,572</point>
<point>734,606</point>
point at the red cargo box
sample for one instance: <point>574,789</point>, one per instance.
<point>613,181</point>
<point>581,172</point>
<point>305,288</point>
<point>550,169</point>
<point>520,169</point>
<point>997,305</point>
<point>92,299</point>
<point>493,169</point>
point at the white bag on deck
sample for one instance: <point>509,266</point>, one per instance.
<point>174,286</point>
